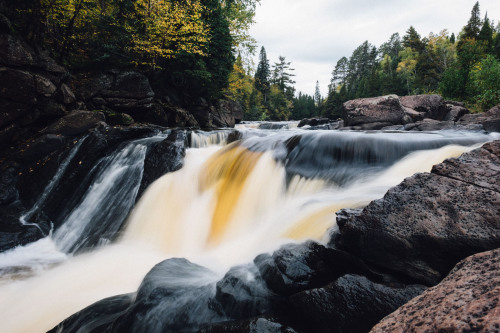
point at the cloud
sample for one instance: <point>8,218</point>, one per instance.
<point>315,34</point>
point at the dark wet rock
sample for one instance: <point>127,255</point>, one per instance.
<point>313,122</point>
<point>490,120</point>
<point>243,293</point>
<point>13,233</point>
<point>384,109</point>
<point>350,304</point>
<point>180,117</point>
<point>164,157</point>
<point>227,113</point>
<point>254,325</point>
<point>175,295</point>
<point>96,317</point>
<point>431,106</point>
<point>75,123</point>
<point>8,180</point>
<point>297,267</point>
<point>426,224</point>
<point>467,300</point>
<point>273,126</point>
<point>120,119</point>
<point>455,112</point>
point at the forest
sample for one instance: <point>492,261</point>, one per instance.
<point>202,48</point>
<point>463,68</point>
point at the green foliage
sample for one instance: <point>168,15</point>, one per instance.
<point>263,73</point>
<point>484,86</point>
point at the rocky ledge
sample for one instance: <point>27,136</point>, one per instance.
<point>416,113</point>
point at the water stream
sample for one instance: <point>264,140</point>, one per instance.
<point>225,206</point>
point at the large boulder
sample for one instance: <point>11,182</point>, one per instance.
<point>75,123</point>
<point>297,267</point>
<point>490,120</point>
<point>227,113</point>
<point>431,106</point>
<point>384,110</point>
<point>352,304</point>
<point>467,300</point>
<point>425,225</point>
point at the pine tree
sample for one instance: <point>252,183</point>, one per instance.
<point>486,34</point>
<point>263,74</point>
<point>412,40</point>
<point>452,38</point>
<point>473,27</point>
<point>317,95</point>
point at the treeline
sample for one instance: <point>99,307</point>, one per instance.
<point>464,67</point>
<point>188,44</point>
<point>269,94</point>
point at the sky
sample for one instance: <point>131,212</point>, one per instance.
<point>314,34</point>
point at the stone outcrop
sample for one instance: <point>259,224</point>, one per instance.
<point>375,113</point>
<point>426,224</point>
<point>490,120</point>
<point>467,300</point>
<point>429,106</point>
<point>352,303</point>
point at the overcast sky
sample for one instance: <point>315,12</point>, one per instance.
<point>314,34</point>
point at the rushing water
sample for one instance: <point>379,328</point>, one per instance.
<point>226,205</point>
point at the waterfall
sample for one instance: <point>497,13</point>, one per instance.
<point>107,201</point>
<point>226,205</point>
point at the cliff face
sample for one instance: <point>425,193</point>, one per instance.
<point>36,92</point>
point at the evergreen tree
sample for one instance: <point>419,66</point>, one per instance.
<point>452,38</point>
<point>473,27</point>
<point>282,75</point>
<point>412,40</point>
<point>486,34</point>
<point>317,95</point>
<point>263,74</point>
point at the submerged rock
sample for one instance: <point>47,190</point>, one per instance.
<point>429,222</point>
<point>350,304</point>
<point>467,300</point>
<point>254,325</point>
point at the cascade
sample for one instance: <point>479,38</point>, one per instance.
<point>227,204</point>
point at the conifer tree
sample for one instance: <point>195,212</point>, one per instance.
<point>317,95</point>
<point>486,34</point>
<point>262,74</point>
<point>473,27</point>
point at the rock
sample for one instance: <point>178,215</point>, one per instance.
<point>313,122</point>
<point>254,325</point>
<point>44,86</point>
<point>297,267</point>
<point>430,125</point>
<point>385,109</point>
<point>18,86</point>
<point>163,157</point>
<point>227,113</point>
<point>75,123</point>
<point>179,117</point>
<point>350,304</point>
<point>175,295</point>
<point>8,180</point>
<point>467,300</point>
<point>117,119</point>
<point>490,120</point>
<point>432,106</point>
<point>13,52</point>
<point>425,225</point>
<point>243,293</point>
<point>96,317</point>
<point>67,94</point>
<point>455,112</point>
<point>129,85</point>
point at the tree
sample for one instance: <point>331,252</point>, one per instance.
<point>407,67</point>
<point>282,75</point>
<point>486,34</point>
<point>484,87</point>
<point>473,26</point>
<point>412,40</point>
<point>263,74</point>
<point>317,95</point>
